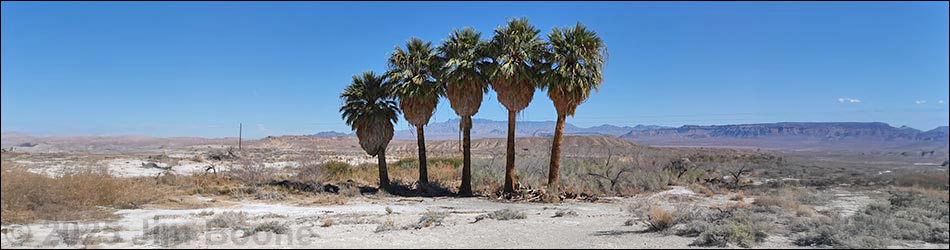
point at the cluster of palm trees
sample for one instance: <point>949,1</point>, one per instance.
<point>514,63</point>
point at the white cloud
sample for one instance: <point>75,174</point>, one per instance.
<point>848,100</point>
<point>920,102</point>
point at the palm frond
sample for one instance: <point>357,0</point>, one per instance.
<point>415,70</point>
<point>574,63</point>
<point>368,100</point>
<point>514,50</point>
<point>463,59</point>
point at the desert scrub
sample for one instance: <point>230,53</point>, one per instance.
<point>228,220</point>
<point>72,236</point>
<point>414,163</point>
<point>744,229</point>
<point>336,171</point>
<point>274,227</point>
<point>269,195</point>
<point>173,234</point>
<point>658,219</point>
<point>429,219</point>
<point>565,213</point>
<point>386,226</point>
<point>508,214</point>
<point>84,194</point>
<point>905,216</point>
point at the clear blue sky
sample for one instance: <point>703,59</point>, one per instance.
<point>198,69</point>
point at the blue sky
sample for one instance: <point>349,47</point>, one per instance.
<point>199,69</point>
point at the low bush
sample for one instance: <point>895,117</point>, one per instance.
<point>173,234</point>
<point>503,215</point>
<point>744,230</point>
<point>430,219</point>
<point>508,214</point>
<point>228,220</point>
<point>388,225</point>
<point>565,213</point>
<point>274,227</point>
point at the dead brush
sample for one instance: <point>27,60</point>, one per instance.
<point>80,194</point>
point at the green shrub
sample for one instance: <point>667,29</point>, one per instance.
<point>414,163</point>
<point>337,170</point>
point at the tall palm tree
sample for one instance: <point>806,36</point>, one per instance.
<point>369,109</point>
<point>415,70</point>
<point>514,76</point>
<point>574,67</point>
<point>465,86</point>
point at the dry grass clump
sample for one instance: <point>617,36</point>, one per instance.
<point>658,219</point>
<point>797,201</point>
<point>386,226</point>
<point>76,195</point>
<point>251,172</point>
<point>740,196</point>
<point>327,223</point>
<point>701,189</point>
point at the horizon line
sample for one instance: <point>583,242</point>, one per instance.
<point>448,120</point>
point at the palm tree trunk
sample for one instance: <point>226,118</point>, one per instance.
<point>554,171</point>
<point>466,189</point>
<point>510,155</point>
<point>383,172</point>
<point>423,166</point>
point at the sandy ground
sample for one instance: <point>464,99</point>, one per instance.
<point>596,225</point>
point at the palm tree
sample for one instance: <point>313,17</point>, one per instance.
<point>369,109</point>
<point>465,86</point>
<point>415,70</point>
<point>574,65</point>
<point>514,76</point>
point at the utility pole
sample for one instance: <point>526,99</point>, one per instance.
<point>240,133</point>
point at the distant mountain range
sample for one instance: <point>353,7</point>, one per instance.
<point>838,136</point>
<point>799,136</point>
<point>328,134</point>
<point>482,128</point>
<point>856,136</point>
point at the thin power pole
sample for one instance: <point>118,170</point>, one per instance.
<point>240,133</point>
